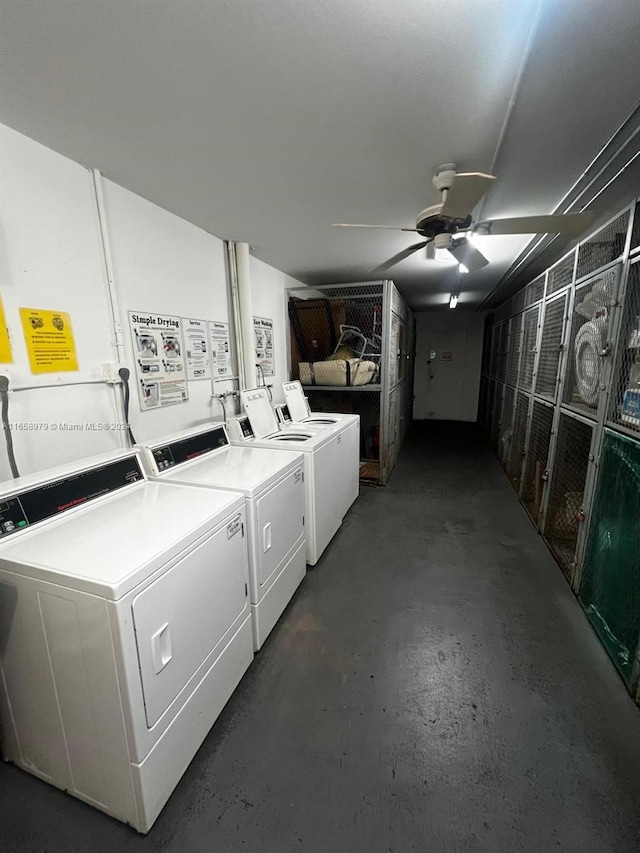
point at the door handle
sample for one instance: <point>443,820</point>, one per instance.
<point>266,536</point>
<point>161,650</point>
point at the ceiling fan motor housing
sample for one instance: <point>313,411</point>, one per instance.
<point>430,223</point>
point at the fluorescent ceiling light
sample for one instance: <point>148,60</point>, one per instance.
<point>462,268</point>
<point>453,301</point>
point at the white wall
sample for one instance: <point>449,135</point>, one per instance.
<point>447,389</point>
<point>268,299</point>
<point>51,256</point>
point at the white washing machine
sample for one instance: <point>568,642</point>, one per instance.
<point>296,412</point>
<point>325,481</point>
<point>125,627</point>
<point>273,484</point>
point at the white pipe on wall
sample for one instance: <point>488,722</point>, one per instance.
<point>234,305</point>
<point>248,376</point>
<point>117,342</point>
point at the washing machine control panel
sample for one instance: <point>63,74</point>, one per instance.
<point>245,427</point>
<point>185,449</point>
<point>33,505</point>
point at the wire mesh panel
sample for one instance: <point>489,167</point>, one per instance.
<point>603,247</point>
<point>488,415</point>
<point>625,397</point>
<point>518,301</point>
<point>561,275</point>
<point>588,343</point>
<point>551,346</point>
<point>534,474</point>
<point>610,584</point>
<point>486,349</point>
<point>529,343</point>
<point>494,350</point>
<point>568,477</point>
<point>518,438</point>
<point>513,355</point>
<point>506,424</point>
<point>483,400</point>
<point>535,291</point>
<point>503,352</point>
<point>497,414</point>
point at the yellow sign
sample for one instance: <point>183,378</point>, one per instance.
<point>5,343</point>
<point>49,340</point>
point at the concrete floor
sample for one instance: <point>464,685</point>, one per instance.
<point>434,686</point>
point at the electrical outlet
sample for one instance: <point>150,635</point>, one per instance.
<point>110,372</point>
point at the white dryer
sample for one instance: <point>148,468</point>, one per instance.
<point>125,627</point>
<point>273,485</point>
<point>324,477</point>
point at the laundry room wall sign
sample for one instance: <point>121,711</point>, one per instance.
<point>220,342</point>
<point>263,335</point>
<point>5,343</point>
<point>197,349</point>
<point>159,353</point>
<point>49,339</point>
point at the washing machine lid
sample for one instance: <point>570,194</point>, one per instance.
<point>296,402</point>
<point>109,545</point>
<point>250,470</point>
<point>257,405</point>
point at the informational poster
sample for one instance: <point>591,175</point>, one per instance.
<point>220,350</point>
<point>5,342</point>
<point>158,348</point>
<point>197,347</point>
<point>263,334</point>
<point>49,339</point>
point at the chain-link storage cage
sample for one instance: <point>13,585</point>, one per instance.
<point>535,290</point>
<point>496,418</point>
<point>486,347</point>
<point>503,351</point>
<point>610,582</point>
<point>535,467</point>
<point>563,515</point>
<point>603,247</point>
<point>561,275</point>
<point>529,348</point>
<point>625,397</point>
<point>589,344</point>
<point>488,415</point>
<point>513,355</point>
<point>518,440</point>
<point>518,301</point>
<point>551,346</point>
<point>506,424</point>
<point>483,400</point>
<point>494,350</point>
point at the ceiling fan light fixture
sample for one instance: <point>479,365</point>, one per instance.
<point>462,268</point>
<point>453,301</point>
<point>442,255</point>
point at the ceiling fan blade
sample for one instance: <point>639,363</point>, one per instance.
<point>359,225</point>
<point>570,224</point>
<point>466,191</point>
<point>466,254</point>
<point>400,256</point>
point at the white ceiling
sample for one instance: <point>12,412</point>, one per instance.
<point>267,121</point>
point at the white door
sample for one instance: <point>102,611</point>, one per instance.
<point>444,375</point>
<point>279,512</point>
<point>182,616</point>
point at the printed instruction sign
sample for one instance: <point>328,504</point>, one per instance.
<point>158,350</point>
<point>5,342</point>
<point>220,350</point>
<point>263,335</point>
<point>195,341</point>
<point>49,339</point>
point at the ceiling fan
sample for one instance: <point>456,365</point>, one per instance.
<point>449,226</point>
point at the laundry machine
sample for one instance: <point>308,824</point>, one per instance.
<point>125,626</point>
<point>296,412</point>
<point>325,480</point>
<point>272,482</point>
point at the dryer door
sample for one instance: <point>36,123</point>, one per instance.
<point>279,512</point>
<point>181,617</point>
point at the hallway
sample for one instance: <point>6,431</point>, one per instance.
<point>434,686</point>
